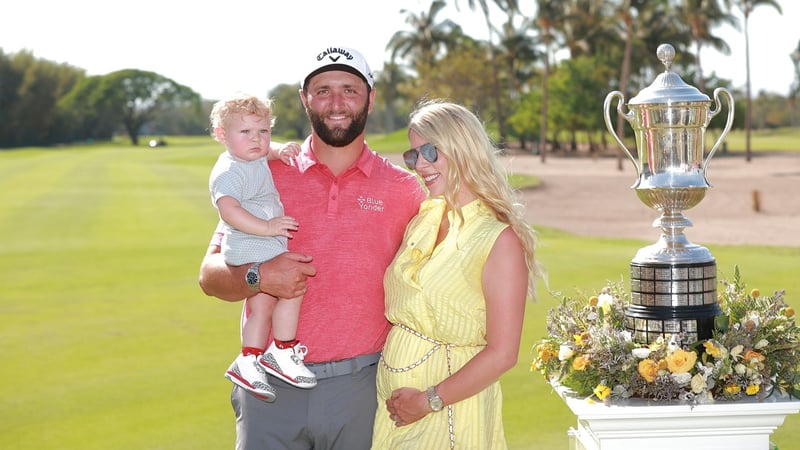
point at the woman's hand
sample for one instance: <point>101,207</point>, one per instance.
<point>407,405</point>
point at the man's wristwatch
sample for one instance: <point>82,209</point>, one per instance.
<point>434,400</point>
<point>253,277</point>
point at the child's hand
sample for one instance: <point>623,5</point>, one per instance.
<point>287,152</point>
<point>281,226</point>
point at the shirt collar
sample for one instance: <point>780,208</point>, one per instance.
<point>307,158</point>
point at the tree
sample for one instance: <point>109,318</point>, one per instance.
<point>701,16</point>
<point>30,88</point>
<point>290,118</point>
<point>510,7</point>
<point>549,13</point>
<point>747,7</point>
<point>426,39</point>
<point>633,20</point>
<point>130,98</point>
<point>794,90</point>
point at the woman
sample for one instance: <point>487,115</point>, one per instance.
<point>455,292</point>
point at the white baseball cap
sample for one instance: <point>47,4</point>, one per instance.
<point>339,58</point>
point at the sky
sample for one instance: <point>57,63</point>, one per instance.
<point>220,47</point>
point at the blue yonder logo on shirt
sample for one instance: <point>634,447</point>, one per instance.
<point>370,204</point>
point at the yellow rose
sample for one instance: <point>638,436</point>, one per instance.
<point>789,312</point>
<point>580,363</point>
<point>593,300</point>
<point>755,293</point>
<point>648,369</point>
<point>681,361</point>
<point>602,391</point>
<point>752,389</point>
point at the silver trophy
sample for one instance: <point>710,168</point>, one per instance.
<point>673,282</point>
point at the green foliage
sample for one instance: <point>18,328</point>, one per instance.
<point>108,342</point>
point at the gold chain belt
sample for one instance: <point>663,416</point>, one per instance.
<point>437,345</point>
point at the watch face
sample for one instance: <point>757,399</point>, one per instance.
<point>252,278</point>
<point>434,400</point>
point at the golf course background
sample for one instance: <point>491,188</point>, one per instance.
<point>107,341</point>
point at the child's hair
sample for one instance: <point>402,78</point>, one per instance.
<point>240,104</point>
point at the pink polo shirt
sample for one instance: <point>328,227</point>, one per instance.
<point>352,225</point>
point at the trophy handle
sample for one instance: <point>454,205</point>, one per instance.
<point>727,95</point>
<point>627,116</point>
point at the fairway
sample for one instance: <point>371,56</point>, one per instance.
<point>108,343</point>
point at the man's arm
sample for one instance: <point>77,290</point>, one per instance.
<point>283,276</point>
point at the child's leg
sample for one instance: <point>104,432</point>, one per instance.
<point>256,329</point>
<point>284,357</point>
<point>284,319</point>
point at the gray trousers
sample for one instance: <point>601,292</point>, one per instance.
<point>337,414</point>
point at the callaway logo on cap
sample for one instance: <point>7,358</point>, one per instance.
<point>340,58</point>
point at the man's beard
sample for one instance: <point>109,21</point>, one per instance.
<point>339,137</point>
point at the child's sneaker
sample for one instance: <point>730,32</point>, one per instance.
<point>247,373</point>
<point>287,364</point>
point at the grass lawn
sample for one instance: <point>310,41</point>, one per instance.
<point>108,343</point>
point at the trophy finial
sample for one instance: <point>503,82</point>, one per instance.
<point>666,53</point>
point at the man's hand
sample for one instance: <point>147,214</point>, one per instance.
<point>284,276</point>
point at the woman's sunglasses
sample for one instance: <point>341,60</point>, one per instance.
<point>428,151</point>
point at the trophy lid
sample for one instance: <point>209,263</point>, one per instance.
<point>668,86</point>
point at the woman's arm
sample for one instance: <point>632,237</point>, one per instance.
<point>283,276</point>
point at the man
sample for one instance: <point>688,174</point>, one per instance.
<point>352,206</point>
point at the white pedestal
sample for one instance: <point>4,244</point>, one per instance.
<point>649,425</point>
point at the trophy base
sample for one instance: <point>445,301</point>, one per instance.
<point>674,301</point>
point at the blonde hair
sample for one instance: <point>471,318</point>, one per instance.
<point>240,104</point>
<point>459,135</point>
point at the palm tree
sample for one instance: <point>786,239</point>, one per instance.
<point>701,16</point>
<point>510,7</point>
<point>747,7</point>
<point>794,91</point>
<point>549,14</point>
<point>633,20</point>
<point>426,39</point>
<point>518,50</point>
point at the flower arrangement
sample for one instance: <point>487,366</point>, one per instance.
<point>754,350</point>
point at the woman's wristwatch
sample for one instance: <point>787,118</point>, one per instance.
<point>434,400</point>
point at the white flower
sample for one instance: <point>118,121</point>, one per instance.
<point>682,379</point>
<point>698,383</point>
<point>740,369</point>
<point>565,352</point>
<point>641,353</point>
<point>673,345</point>
<point>761,344</point>
<point>605,301</point>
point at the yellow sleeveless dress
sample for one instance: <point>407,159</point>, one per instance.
<point>434,299</point>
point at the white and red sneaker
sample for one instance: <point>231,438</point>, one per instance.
<point>247,373</point>
<point>287,364</point>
